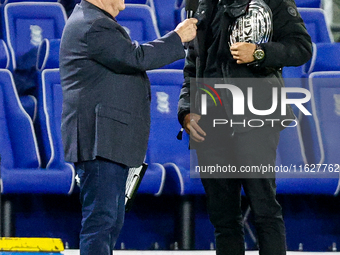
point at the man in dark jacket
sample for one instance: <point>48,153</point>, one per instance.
<point>106,110</point>
<point>245,44</point>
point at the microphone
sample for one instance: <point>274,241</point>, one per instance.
<point>191,7</point>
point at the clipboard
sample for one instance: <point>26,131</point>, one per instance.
<point>133,181</point>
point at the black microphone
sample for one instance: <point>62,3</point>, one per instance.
<point>191,7</point>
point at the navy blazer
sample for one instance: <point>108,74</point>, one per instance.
<point>106,92</point>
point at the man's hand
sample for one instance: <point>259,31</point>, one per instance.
<point>187,29</point>
<point>243,52</point>
<point>191,126</point>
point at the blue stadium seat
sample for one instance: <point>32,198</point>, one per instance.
<point>15,123</point>
<point>49,119</point>
<point>325,90</point>
<point>174,155</point>
<point>140,22</point>
<point>308,3</point>
<point>167,13</point>
<point>20,166</point>
<point>316,25</point>
<point>295,175</point>
<point>48,54</point>
<point>3,2</point>
<point>135,1</point>
<point>4,55</point>
<point>163,147</point>
<point>183,14</point>
<point>29,102</point>
<point>299,145</point>
<point>154,180</point>
<point>319,31</point>
<point>26,24</point>
<point>179,64</point>
<point>50,106</point>
<point>326,58</point>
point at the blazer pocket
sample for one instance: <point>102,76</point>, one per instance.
<point>113,113</point>
<point>113,131</point>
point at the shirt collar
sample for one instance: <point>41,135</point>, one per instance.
<point>96,7</point>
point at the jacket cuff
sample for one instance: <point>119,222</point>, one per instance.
<point>181,116</point>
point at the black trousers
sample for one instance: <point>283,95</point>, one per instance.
<point>253,148</point>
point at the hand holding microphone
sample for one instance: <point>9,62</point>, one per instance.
<point>187,29</point>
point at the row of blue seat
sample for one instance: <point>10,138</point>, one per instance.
<point>48,51</point>
<point>26,24</point>
<point>25,145</point>
<point>31,150</point>
<point>294,148</point>
<point>168,12</point>
<point>164,148</point>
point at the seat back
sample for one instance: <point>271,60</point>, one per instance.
<point>140,22</point>
<point>295,175</point>
<point>48,124</point>
<point>290,148</point>
<point>314,19</point>
<point>21,170</point>
<point>290,154</point>
<point>163,146</point>
<point>325,90</point>
<point>325,58</point>
<point>325,104</point>
<point>48,54</point>
<point>26,24</point>
<point>308,3</point>
<point>166,13</point>
<point>135,1</point>
<point>19,147</point>
<point>18,142</point>
<point>3,2</point>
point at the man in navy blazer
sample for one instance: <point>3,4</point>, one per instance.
<point>106,110</point>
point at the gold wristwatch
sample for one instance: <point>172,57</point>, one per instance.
<point>258,53</point>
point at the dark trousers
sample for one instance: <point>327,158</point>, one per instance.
<point>102,195</point>
<point>251,148</point>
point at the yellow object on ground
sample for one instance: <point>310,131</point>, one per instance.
<point>31,244</point>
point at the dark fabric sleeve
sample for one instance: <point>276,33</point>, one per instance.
<point>108,46</point>
<point>291,44</point>
<point>189,72</point>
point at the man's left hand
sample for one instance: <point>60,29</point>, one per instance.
<point>243,52</point>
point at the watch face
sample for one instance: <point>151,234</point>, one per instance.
<point>259,54</point>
